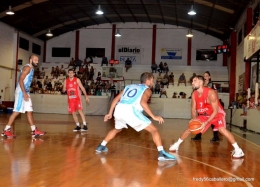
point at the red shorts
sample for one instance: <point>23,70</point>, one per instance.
<point>74,106</point>
<point>218,121</point>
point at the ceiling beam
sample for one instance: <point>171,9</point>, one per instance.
<point>113,7</point>
<point>159,4</point>
<point>146,11</point>
<point>210,17</point>
<point>130,11</point>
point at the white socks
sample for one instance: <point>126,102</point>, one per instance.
<point>84,123</point>
<point>235,145</point>
<point>160,148</point>
<point>104,143</point>
<point>33,127</point>
<point>179,141</point>
<point>78,124</point>
<point>7,127</point>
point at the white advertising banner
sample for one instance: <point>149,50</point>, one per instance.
<point>126,51</point>
<point>171,54</point>
<point>252,42</point>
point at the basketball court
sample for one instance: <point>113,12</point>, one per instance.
<point>64,158</point>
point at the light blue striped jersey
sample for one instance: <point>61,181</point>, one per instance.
<point>27,81</point>
<point>132,95</point>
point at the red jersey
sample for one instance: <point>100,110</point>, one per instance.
<point>73,89</point>
<point>202,105</point>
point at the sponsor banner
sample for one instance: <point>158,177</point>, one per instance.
<point>241,80</point>
<point>132,52</point>
<point>252,42</point>
<point>171,54</point>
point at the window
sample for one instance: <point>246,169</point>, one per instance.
<point>60,52</point>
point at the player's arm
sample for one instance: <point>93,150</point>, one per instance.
<point>82,89</point>
<point>113,105</point>
<point>26,70</point>
<point>144,103</point>
<point>213,100</point>
<point>64,86</point>
<point>193,107</point>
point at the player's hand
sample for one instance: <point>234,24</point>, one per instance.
<point>203,125</point>
<point>26,97</point>
<point>107,117</point>
<point>87,99</point>
<point>159,119</point>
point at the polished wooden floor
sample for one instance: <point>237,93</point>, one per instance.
<point>63,158</point>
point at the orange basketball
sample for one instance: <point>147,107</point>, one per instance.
<point>194,127</point>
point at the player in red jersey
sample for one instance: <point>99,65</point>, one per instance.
<point>205,102</point>
<point>73,86</point>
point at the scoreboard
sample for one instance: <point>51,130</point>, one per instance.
<point>221,49</point>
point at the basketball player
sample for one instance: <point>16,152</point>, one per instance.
<point>208,83</point>
<point>23,101</point>
<point>205,102</point>
<point>129,105</point>
<point>73,85</point>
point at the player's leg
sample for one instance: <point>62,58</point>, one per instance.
<point>84,128</point>
<point>175,146</point>
<point>7,130</point>
<point>35,131</point>
<point>110,135</point>
<point>76,120</point>
<point>220,124</point>
<point>162,155</point>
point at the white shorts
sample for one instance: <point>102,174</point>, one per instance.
<point>127,114</point>
<point>20,105</point>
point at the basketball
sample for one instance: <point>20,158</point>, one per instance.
<point>195,127</point>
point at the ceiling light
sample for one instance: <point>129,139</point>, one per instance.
<point>189,35</point>
<point>99,11</point>
<point>117,33</point>
<point>10,11</point>
<point>192,12</point>
<point>49,33</point>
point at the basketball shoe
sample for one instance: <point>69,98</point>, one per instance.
<point>77,128</point>
<point>174,147</point>
<point>85,128</point>
<point>165,156</point>
<point>37,133</point>
<point>101,148</point>
<point>7,133</point>
<point>237,153</point>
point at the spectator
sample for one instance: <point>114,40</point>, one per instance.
<point>49,86</point>
<point>104,74</point>
<point>128,64</point>
<point>160,67</point>
<point>98,77</point>
<point>154,67</point>
<point>104,61</point>
<point>159,78</point>
<point>174,95</point>
<point>42,74</point>
<point>171,78</point>
<point>62,70</point>
<point>157,88</point>
<point>165,80</point>
<point>91,73</point>
<point>163,92</point>
<point>46,81</point>
<point>72,63</point>
<point>165,67</point>
<point>252,101</point>
<point>245,109</point>
<point>78,63</point>
<point>190,80</point>
<point>182,79</point>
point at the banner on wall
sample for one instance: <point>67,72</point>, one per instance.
<point>171,54</point>
<point>241,79</point>
<point>253,79</point>
<point>126,51</point>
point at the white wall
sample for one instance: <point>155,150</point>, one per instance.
<point>7,59</point>
<point>8,50</point>
<point>136,34</point>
